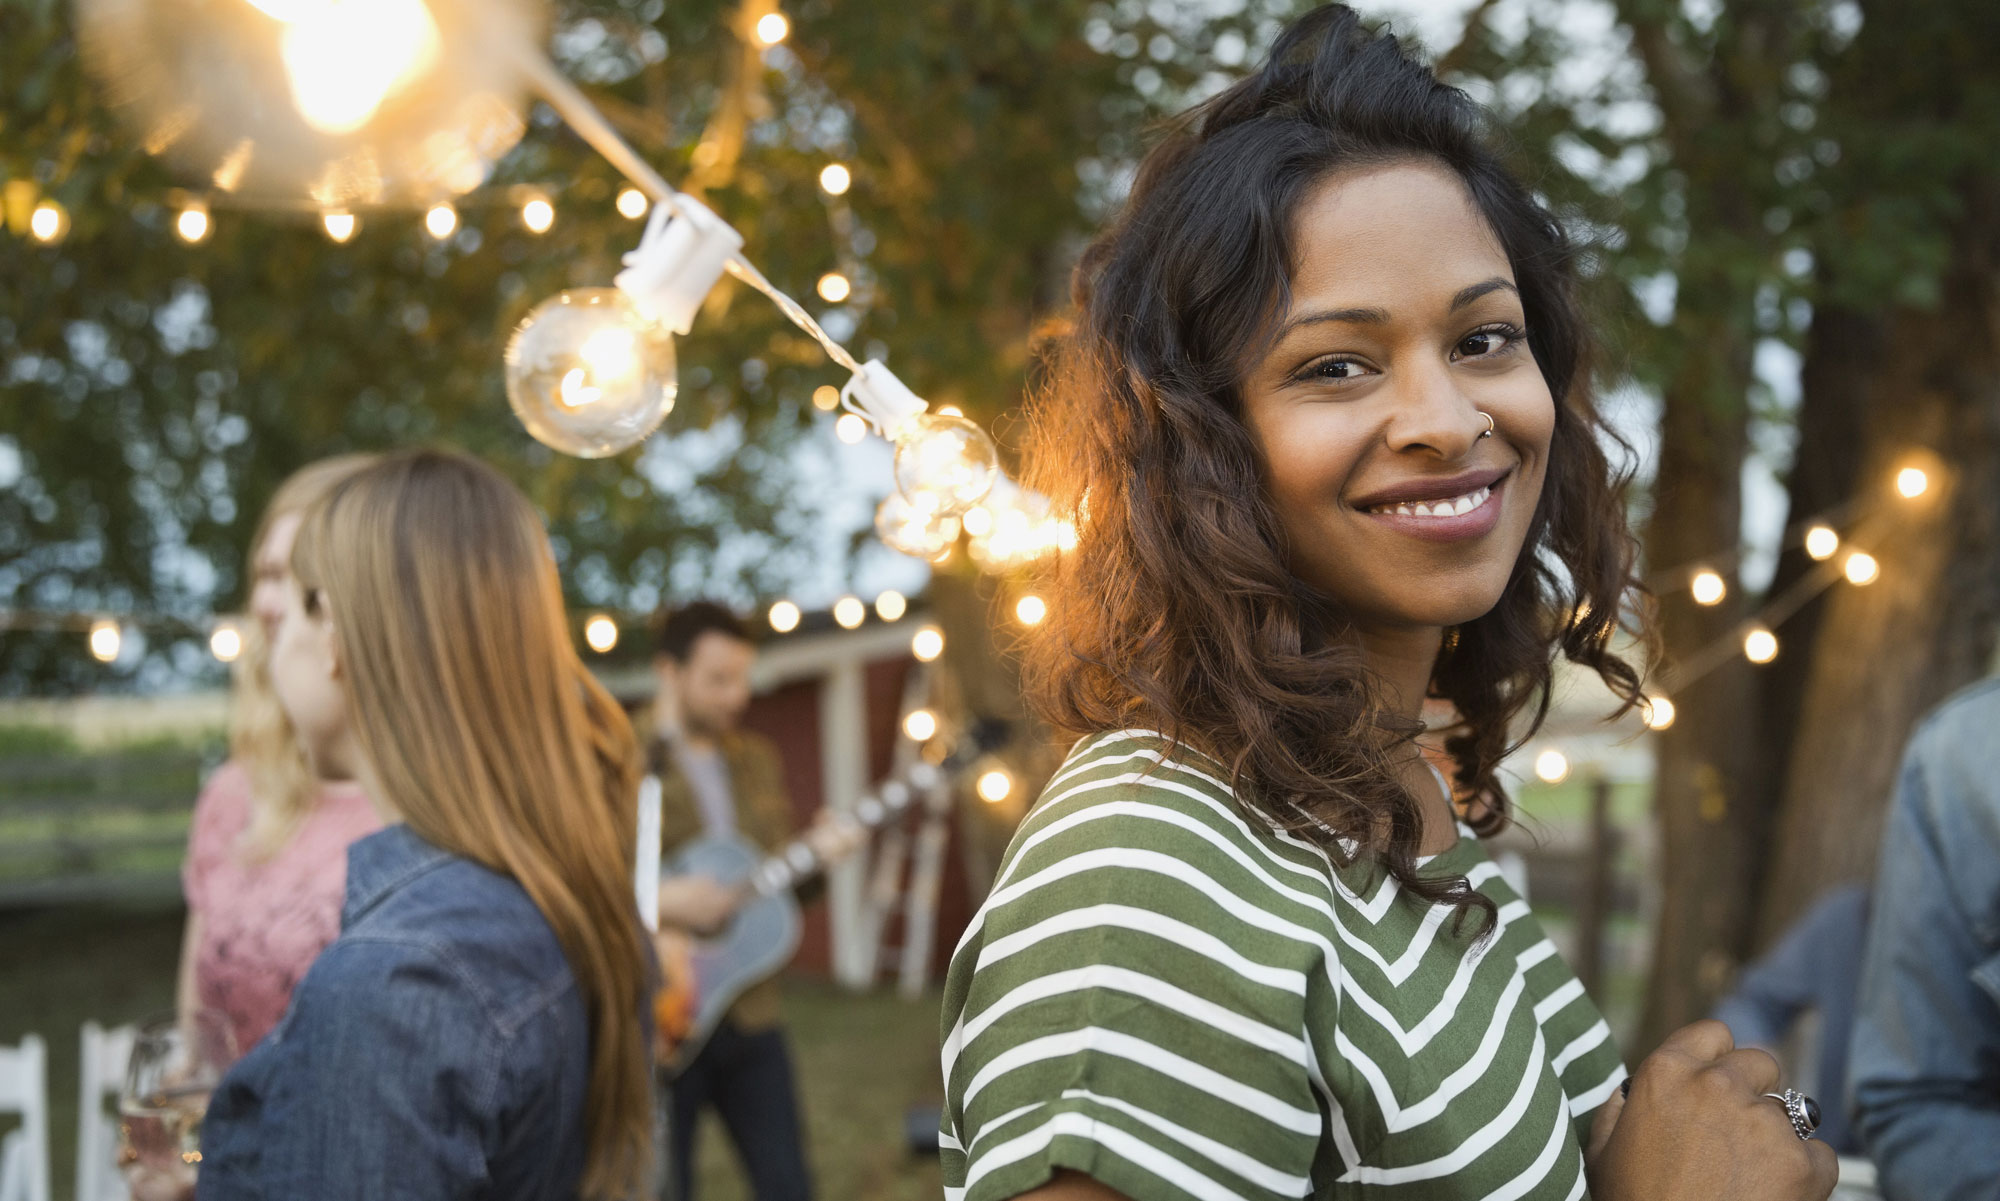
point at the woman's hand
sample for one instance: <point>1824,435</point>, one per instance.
<point>1697,1126</point>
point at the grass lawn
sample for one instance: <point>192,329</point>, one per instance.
<point>862,1060</point>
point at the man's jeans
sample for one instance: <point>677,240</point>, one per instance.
<point>748,1079</point>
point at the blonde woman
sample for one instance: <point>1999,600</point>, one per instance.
<point>476,1030</point>
<point>267,851</point>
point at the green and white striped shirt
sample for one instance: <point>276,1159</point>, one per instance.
<point>1167,994</point>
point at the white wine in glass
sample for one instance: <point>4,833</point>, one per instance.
<point>174,1068</point>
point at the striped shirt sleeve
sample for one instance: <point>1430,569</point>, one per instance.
<point>1127,1006</point>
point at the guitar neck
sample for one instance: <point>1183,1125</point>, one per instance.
<point>798,862</point>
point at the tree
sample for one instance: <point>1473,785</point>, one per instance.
<point>157,391</point>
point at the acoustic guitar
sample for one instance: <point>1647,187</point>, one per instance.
<point>705,976</point>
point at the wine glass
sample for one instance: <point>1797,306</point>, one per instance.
<point>175,1065</point>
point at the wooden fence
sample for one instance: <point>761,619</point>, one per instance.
<point>89,826</point>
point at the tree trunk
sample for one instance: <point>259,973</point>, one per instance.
<point>1890,651</point>
<point>1698,507</point>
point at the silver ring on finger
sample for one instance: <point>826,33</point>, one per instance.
<point>1801,1109</point>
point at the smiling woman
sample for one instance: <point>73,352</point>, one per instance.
<point>1325,427</point>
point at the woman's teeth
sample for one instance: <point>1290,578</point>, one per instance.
<point>1456,506</point>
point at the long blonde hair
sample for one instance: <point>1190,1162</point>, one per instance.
<point>283,787</point>
<point>488,735</point>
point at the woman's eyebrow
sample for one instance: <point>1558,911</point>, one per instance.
<point>1370,316</point>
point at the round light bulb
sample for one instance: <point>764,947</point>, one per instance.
<point>928,644</point>
<point>1708,587</point>
<point>849,612</point>
<point>945,463</point>
<point>891,605</point>
<point>834,287</point>
<point>1030,610</point>
<point>1821,542</point>
<point>772,28</point>
<point>920,725</point>
<point>784,617</point>
<point>1552,766</point>
<point>1659,712</point>
<point>600,633</point>
<point>921,533</point>
<point>225,642</point>
<point>339,224</point>
<point>47,222</point>
<point>1912,482</point>
<point>1760,645</point>
<point>1862,568</point>
<point>995,786</point>
<point>538,215</point>
<point>826,398</point>
<point>105,640</point>
<point>192,223</point>
<point>850,429</point>
<point>632,204</point>
<point>834,179</point>
<point>588,374</point>
<point>978,521</point>
<point>440,221</point>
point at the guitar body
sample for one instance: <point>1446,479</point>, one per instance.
<point>705,976</point>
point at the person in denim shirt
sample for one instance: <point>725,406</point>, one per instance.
<point>1926,1054</point>
<point>440,1048</point>
<point>478,1029</point>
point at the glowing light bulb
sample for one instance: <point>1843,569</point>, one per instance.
<point>834,179</point>
<point>344,58</point>
<point>850,429</point>
<point>834,287</point>
<point>1659,712</point>
<point>632,204</point>
<point>918,532</point>
<point>920,725</point>
<point>440,221</point>
<point>588,374</point>
<point>1912,482</point>
<point>826,398</point>
<point>891,605</point>
<point>1862,569</point>
<point>339,224</point>
<point>192,223</point>
<point>1708,587</point>
<point>945,463</point>
<point>1821,542</point>
<point>600,633</point>
<point>784,617</point>
<point>978,521</point>
<point>1030,610</point>
<point>1552,766</point>
<point>225,642</point>
<point>47,222</point>
<point>928,644</point>
<point>950,411</point>
<point>995,786</point>
<point>849,612</point>
<point>105,640</point>
<point>772,29</point>
<point>538,215</point>
<point>1760,645</point>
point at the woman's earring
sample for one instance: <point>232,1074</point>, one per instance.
<point>1489,424</point>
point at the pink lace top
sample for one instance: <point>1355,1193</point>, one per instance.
<point>263,922</point>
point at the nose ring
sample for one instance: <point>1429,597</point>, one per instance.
<point>1488,432</point>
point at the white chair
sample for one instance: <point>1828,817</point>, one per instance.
<point>105,1054</point>
<point>24,1153</point>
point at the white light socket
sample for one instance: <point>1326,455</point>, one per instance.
<point>876,393</point>
<point>678,261</point>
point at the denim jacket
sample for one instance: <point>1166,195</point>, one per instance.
<point>1926,1055</point>
<point>439,1048</point>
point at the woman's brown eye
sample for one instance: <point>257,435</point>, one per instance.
<point>1483,342</point>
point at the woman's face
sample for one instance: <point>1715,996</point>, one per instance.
<point>1404,328</point>
<point>305,672</point>
<point>272,573</point>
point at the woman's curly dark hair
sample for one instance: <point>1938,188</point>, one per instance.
<point>1176,609</point>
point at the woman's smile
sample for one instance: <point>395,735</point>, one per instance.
<point>1447,509</point>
